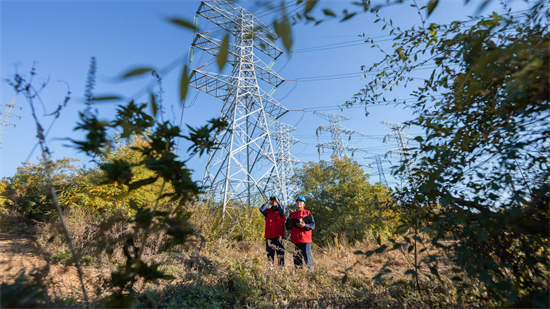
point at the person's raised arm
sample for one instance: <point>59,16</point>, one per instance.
<point>264,208</point>
<point>282,209</point>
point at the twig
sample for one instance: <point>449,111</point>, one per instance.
<point>45,156</point>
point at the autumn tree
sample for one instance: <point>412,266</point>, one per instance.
<point>343,201</point>
<point>28,194</point>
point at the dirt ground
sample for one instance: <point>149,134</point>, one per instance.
<point>18,253</point>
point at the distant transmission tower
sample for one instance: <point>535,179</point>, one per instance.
<point>286,161</point>
<point>233,174</point>
<point>337,144</point>
<point>381,175</point>
<point>7,114</point>
<point>402,142</point>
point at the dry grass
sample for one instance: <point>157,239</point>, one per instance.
<point>221,272</point>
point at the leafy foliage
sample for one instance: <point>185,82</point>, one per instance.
<point>28,194</point>
<point>481,174</point>
<point>343,201</point>
<point>156,158</point>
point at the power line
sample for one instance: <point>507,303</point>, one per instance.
<point>349,75</point>
<point>368,39</point>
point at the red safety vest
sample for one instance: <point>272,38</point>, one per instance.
<point>274,224</point>
<point>300,235</point>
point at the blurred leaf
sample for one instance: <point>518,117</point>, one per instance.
<point>431,6</point>
<point>136,72</point>
<point>283,29</point>
<point>140,183</point>
<point>182,23</point>
<point>108,98</point>
<point>482,6</point>
<point>348,16</point>
<point>154,106</point>
<point>221,59</point>
<point>310,4</point>
<point>184,83</point>
<point>329,12</point>
<point>381,249</point>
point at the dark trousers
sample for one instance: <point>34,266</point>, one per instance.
<point>272,246</point>
<point>303,255</point>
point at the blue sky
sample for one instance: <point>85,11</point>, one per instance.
<point>62,36</point>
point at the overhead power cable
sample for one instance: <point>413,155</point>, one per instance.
<point>368,39</point>
<point>276,9</point>
<point>347,75</point>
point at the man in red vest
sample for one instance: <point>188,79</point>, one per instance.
<point>300,234</point>
<point>275,216</point>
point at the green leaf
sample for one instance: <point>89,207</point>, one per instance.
<point>310,4</point>
<point>224,51</point>
<point>283,29</point>
<point>348,16</point>
<point>136,72</point>
<point>140,183</point>
<point>182,23</point>
<point>381,249</point>
<point>154,106</point>
<point>168,277</point>
<point>402,229</point>
<point>431,6</point>
<point>184,83</point>
<point>107,98</point>
<point>447,200</point>
<point>329,12</point>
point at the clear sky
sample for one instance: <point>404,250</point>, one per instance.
<point>62,36</point>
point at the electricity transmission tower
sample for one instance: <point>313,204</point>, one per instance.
<point>402,143</point>
<point>233,174</point>
<point>401,137</point>
<point>381,175</point>
<point>337,144</point>
<point>285,161</point>
<point>5,118</point>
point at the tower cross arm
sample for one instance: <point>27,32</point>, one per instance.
<point>212,46</point>
<point>220,86</point>
<point>331,117</point>
<point>227,16</point>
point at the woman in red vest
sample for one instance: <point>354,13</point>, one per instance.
<point>300,234</point>
<point>275,216</point>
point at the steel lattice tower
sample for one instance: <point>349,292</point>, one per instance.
<point>285,161</point>
<point>402,143</point>
<point>381,175</point>
<point>337,144</point>
<point>7,114</point>
<point>401,137</point>
<point>233,173</point>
